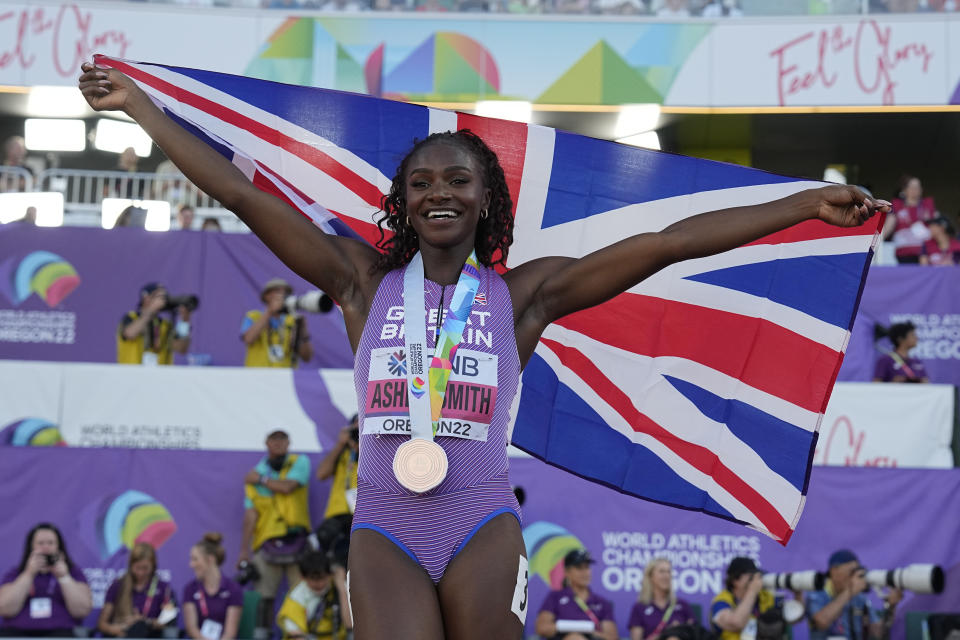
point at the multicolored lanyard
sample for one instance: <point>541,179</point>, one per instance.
<point>428,401</point>
<point>590,614</point>
<point>902,364</point>
<point>151,592</point>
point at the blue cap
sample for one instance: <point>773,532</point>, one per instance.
<point>843,556</point>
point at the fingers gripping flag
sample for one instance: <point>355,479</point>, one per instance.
<point>703,387</point>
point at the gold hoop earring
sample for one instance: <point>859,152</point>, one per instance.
<point>483,214</point>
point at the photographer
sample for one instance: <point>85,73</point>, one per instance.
<point>340,463</point>
<point>275,338</point>
<point>47,594</point>
<point>314,608</point>
<point>144,337</point>
<point>734,611</point>
<point>842,607</point>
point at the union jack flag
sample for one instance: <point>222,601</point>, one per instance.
<point>703,387</point>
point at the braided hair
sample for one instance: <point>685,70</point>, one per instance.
<point>494,233</point>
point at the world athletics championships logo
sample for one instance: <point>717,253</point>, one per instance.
<point>31,432</point>
<point>120,522</point>
<point>41,272</point>
<point>547,544</point>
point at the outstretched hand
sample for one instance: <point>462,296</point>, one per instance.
<point>846,206</point>
<point>106,89</point>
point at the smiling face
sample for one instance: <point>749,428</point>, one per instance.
<point>578,576</point>
<point>445,193</point>
<point>661,576</point>
<point>200,562</point>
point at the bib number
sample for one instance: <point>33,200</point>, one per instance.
<point>520,594</point>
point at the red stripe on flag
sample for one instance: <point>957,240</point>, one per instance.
<point>697,456</point>
<point>316,158</point>
<point>817,230</point>
<point>758,352</point>
<point>509,141</point>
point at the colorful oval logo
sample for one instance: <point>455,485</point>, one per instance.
<point>547,544</point>
<point>32,432</point>
<point>132,517</point>
<point>41,272</point>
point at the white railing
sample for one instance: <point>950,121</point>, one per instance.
<point>15,179</point>
<point>84,189</point>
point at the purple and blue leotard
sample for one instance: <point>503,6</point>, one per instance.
<point>434,526</point>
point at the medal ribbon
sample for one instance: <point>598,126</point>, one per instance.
<point>428,384</point>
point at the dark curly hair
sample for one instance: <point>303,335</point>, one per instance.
<point>494,233</point>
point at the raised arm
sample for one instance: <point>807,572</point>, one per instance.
<point>339,266</point>
<point>547,289</point>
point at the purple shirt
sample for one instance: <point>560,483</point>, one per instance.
<point>563,606</point>
<point>214,607</point>
<point>888,367</point>
<point>139,598</point>
<point>45,585</point>
<point>649,616</point>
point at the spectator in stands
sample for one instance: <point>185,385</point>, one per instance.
<point>274,337</point>
<point>315,607</point>
<point>185,216</point>
<point>575,602</point>
<point>134,602</point>
<point>144,337</point>
<point>276,522</point>
<point>943,248</point>
<point>340,463</point>
<point>14,154</point>
<point>129,187</point>
<point>210,224</point>
<point>657,608</point>
<point>899,365</point>
<point>721,9</point>
<point>734,610</point>
<point>842,609</point>
<point>673,9</point>
<point>212,603</point>
<point>906,221</point>
<point>46,595</point>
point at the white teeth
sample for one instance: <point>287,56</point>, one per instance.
<point>441,214</point>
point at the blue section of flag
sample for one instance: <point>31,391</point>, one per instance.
<point>824,287</point>
<point>380,132</point>
<point>593,176</point>
<point>775,441</point>
<point>555,424</point>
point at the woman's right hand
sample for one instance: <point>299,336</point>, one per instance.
<point>107,89</point>
<point>36,564</point>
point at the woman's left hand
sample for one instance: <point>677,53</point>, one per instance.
<point>847,206</point>
<point>60,568</point>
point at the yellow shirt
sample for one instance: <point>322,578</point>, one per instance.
<point>273,347</point>
<point>344,477</point>
<point>278,512</point>
<point>765,600</point>
<point>300,613</point>
<point>159,334</point>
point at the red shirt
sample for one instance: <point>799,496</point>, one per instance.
<point>938,256</point>
<point>906,242</point>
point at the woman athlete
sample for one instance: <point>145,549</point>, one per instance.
<point>449,562</point>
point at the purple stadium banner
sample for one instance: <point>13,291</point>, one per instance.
<point>891,517</point>
<point>63,291</point>
<point>927,296</point>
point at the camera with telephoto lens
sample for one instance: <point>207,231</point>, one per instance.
<point>919,578</point>
<point>312,302</point>
<point>795,580</point>
<point>190,301</point>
